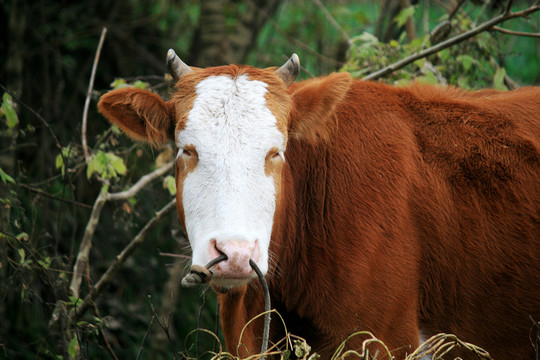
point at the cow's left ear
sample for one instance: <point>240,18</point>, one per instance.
<point>141,114</point>
<point>314,102</point>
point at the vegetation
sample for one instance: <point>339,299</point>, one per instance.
<point>91,253</point>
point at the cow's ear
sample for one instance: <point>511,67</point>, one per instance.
<point>314,104</point>
<point>141,114</point>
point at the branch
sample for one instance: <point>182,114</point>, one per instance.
<point>143,181</point>
<point>517,33</point>
<point>89,93</point>
<point>121,258</point>
<point>81,264</point>
<point>452,41</point>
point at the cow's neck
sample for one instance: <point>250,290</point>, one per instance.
<point>299,241</point>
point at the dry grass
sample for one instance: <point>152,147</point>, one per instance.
<point>435,348</point>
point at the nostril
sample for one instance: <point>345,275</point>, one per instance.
<point>256,253</point>
<point>213,249</point>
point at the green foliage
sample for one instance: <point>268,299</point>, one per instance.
<point>73,347</point>
<point>106,164</point>
<point>121,83</point>
<point>470,64</point>
<point>6,178</point>
<point>404,15</point>
<point>67,151</point>
<point>8,111</point>
<point>170,184</point>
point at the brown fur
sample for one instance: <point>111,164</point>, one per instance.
<point>398,208</point>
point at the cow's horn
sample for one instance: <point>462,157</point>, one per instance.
<point>289,71</point>
<point>177,68</point>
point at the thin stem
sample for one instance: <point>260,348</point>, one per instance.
<point>89,94</point>
<point>517,33</point>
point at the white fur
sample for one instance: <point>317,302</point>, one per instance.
<point>228,195</point>
<point>423,338</point>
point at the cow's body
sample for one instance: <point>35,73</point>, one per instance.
<point>402,211</point>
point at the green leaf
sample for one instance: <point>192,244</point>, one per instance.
<point>119,84</point>
<point>141,84</point>
<point>46,262</point>
<point>9,111</point>
<point>170,183</point>
<point>98,163</point>
<point>22,255</point>
<point>6,178</point>
<point>498,79</point>
<point>107,165</point>
<point>403,15</point>
<point>116,130</point>
<point>301,348</point>
<point>117,163</point>
<point>60,163</point>
<point>73,347</point>
<point>463,82</point>
<point>466,61</point>
<point>74,301</point>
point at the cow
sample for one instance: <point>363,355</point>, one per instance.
<point>404,211</point>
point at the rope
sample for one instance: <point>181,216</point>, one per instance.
<point>201,275</point>
<point>266,330</point>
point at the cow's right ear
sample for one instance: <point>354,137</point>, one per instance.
<point>315,101</point>
<point>141,114</point>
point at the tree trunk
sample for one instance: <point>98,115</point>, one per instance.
<point>216,42</point>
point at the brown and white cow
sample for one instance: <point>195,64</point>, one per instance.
<point>405,211</point>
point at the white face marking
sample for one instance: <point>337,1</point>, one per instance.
<point>228,196</point>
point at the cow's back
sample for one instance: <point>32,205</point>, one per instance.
<point>476,210</point>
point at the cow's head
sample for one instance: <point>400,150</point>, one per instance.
<point>230,125</point>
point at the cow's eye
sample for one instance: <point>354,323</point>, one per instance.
<point>275,155</point>
<point>188,151</point>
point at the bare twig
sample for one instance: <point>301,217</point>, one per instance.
<point>452,41</point>
<point>143,181</point>
<point>304,46</point>
<point>121,258</point>
<point>89,94</point>
<point>517,33</point>
<point>455,10</point>
<point>145,337</point>
<point>331,20</point>
<point>104,336</point>
<point>165,327</point>
<point>51,196</point>
<point>508,7</point>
